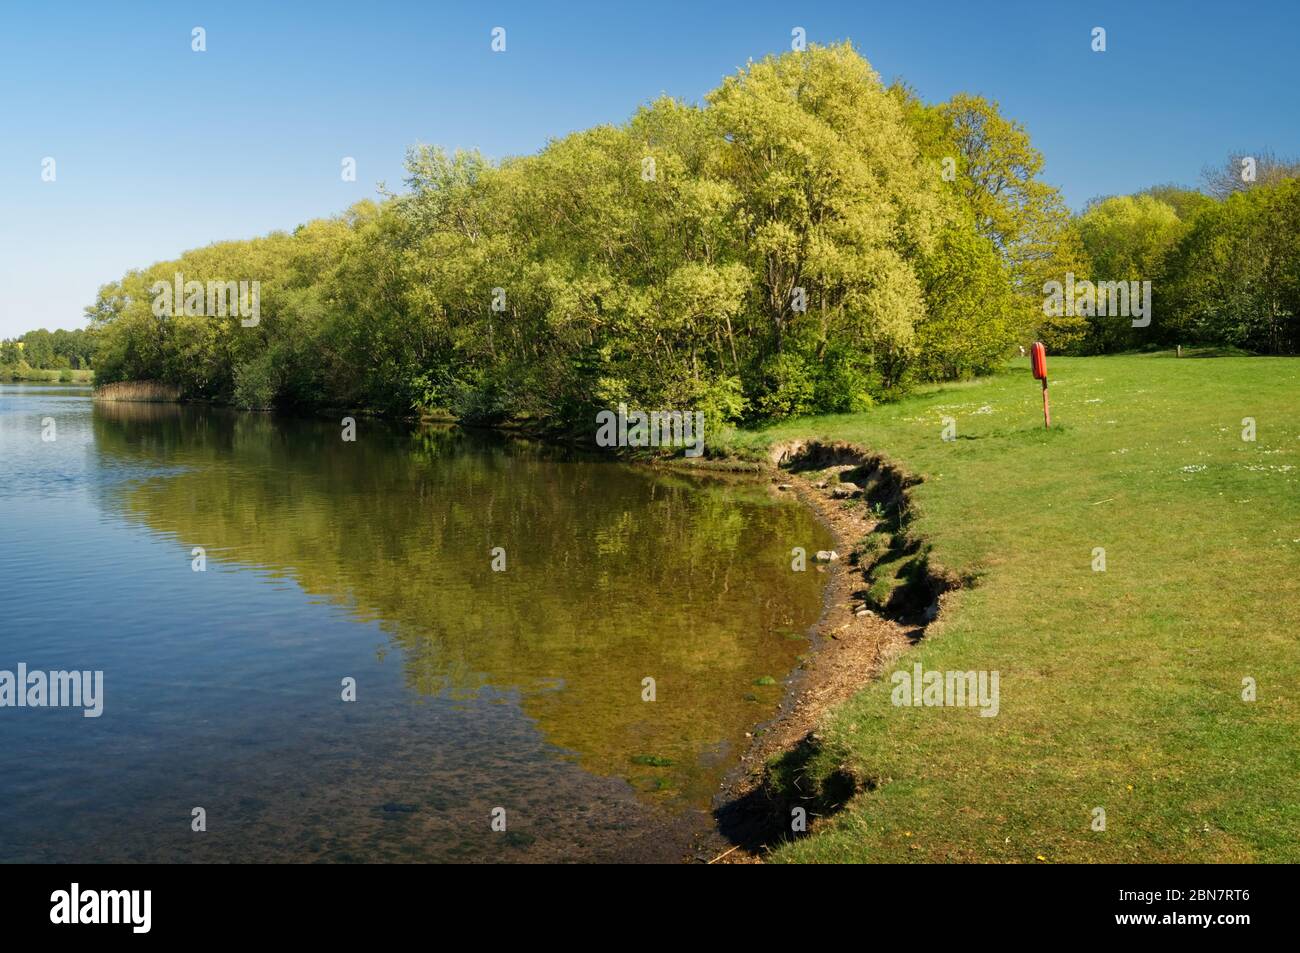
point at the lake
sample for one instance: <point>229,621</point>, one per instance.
<point>494,605</point>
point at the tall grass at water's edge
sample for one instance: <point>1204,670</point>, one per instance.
<point>142,391</point>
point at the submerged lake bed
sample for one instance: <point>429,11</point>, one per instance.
<point>545,655</point>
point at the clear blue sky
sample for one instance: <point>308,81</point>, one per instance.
<point>160,149</point>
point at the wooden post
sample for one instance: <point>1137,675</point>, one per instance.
<point>1047,410</point>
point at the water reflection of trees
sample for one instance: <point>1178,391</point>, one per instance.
<point>614,573</point>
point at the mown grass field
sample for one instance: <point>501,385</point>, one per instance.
<point>1120,689</point>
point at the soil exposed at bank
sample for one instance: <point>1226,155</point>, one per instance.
<point>869,618</point>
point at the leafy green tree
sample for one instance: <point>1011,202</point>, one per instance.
<point>1126,239</point>
<point>972,312</point>
<point>835,199</point>
<point>994,167</point>
<point>1235,275</point>
<point>38,348</point>
<point>787,247</point>
<point>1185,202</point>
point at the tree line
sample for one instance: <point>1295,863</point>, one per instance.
<point>1224,267</point>
<point>46,351</point>
<point>807,240</point>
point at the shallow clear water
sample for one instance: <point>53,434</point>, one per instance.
<point>372,560</point>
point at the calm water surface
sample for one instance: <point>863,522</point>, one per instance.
<point>372,560</point>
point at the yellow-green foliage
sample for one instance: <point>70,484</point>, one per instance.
<point>788,247</point>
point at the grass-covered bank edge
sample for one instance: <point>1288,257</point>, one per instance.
<point>1136,577</point>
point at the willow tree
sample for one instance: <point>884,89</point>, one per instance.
<point>835,207</point>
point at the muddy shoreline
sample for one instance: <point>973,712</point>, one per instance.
<point>852,641</point>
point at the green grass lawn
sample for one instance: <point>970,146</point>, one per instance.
<point>1119,689</point>
<point>22,372</point>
